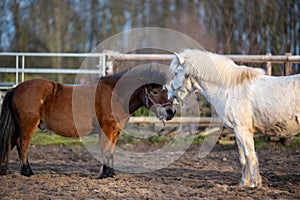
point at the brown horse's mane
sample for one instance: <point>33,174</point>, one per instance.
<point>152,74</point>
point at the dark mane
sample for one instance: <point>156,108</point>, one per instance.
<point>146,74</point>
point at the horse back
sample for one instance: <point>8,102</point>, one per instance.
<point>276,105</point>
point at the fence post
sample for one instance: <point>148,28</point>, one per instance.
<point>109,65</point>
<point>269,65</point>
<point>23,68</point>
<point>17,69</point>
<point>288,70</point>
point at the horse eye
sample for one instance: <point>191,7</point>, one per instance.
<point>154,92</point>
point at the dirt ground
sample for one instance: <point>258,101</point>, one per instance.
<point>68,173</point>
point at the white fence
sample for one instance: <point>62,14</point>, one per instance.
<point>21,68</point>
<point>106,58</point>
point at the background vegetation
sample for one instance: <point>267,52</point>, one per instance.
<point>223,26</point>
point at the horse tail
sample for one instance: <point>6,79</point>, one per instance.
<point>7,129</point>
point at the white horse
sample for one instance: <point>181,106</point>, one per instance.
<point>245,99</point>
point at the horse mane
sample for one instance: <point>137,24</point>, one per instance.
<point>145,74</point>
<point>217,68</point>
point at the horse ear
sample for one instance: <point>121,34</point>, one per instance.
<point>180,58</point>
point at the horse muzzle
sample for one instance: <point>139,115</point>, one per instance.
<point>163,112</point>
<point>169,113</point>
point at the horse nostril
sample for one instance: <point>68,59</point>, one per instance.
<point>170,114</point>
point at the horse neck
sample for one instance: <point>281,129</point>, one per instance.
<point>136,101</point>
<point>130,101</point>
<point>218,69</point>
<point>211,91</point>
<point>214,94</point>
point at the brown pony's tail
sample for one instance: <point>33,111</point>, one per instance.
<point>7,130</point>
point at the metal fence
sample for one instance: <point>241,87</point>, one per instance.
<point>21,69</point>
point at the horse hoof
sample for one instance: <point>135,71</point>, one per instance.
<point>256,185</point>
<point>107,172</point>
<point>106,175</point>
<point>102,176</point>
<point>26,171</point>
<point>244,184</point>
<point>28,174</point>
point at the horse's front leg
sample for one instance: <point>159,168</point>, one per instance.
<point>245,181</point>
<point>106,169</point>
<point>248,158</point>
<point>107,149</point>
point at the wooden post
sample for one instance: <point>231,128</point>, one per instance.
<point>109,67</point>
<point>109,62</point>
<point>288,70</point>
<point>269,66</point>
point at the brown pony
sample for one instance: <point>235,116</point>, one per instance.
<point>74,111</point>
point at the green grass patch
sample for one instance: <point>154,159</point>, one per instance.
<point>264,142</point>
<point>45,138</point>
<point>296,141</point>
<point>261,142</point>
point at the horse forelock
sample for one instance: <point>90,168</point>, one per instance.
<point>217,68</point>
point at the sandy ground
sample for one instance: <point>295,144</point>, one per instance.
<point>70,173</point>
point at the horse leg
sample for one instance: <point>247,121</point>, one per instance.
<point>13,142</point>
<point>245,138</point>
<point>4,160</point>
<point>107,150</point>
<point>245,181</point>
<point>111,158</point>
<point>23,142</point>
<point>107,169</point>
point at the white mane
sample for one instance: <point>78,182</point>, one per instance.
<point>217,68</point>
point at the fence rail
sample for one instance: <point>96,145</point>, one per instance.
<point>22,69</point>
<point>237,58</point>
<point>201,121</point>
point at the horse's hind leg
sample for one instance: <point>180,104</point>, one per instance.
<point>26,134</point>
<point>4,160</point>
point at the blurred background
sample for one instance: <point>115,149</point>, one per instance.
<point>222,26</point>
